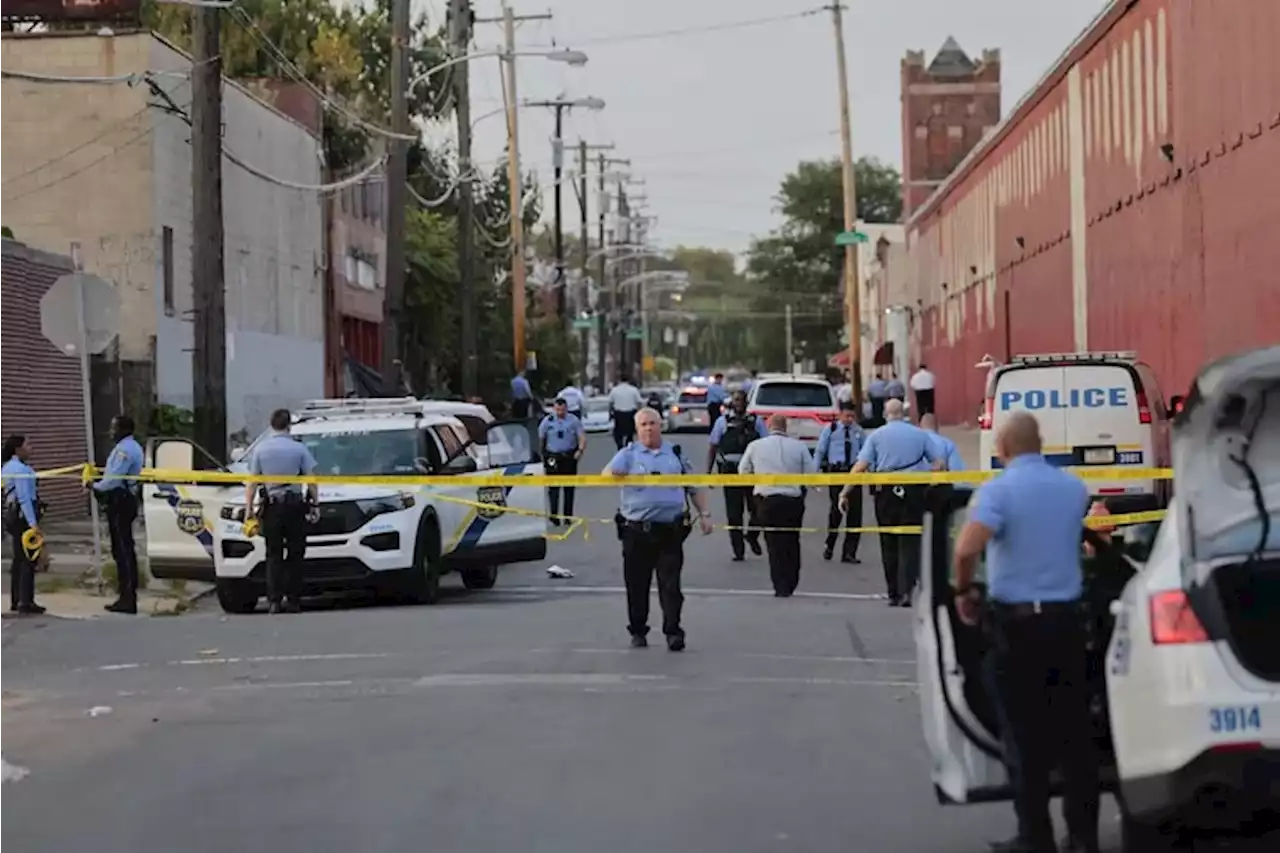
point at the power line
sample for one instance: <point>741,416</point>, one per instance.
<point>86,167</point>
<point>725,26</point>
<point>107,131</point>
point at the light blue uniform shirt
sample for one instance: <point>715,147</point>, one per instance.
<point>716,393</point>
<point>279,453</point>
<point>831,442</point>
<point>651,503</point>
<point>948,451</point>
<point>899,446</point>
<point>1035,512</point>
<point>560,434</point>
<point>878,388</point>
<point>520,389</point>
<point>895,388</point>
<point>125,461</point>
<point>20,489</point>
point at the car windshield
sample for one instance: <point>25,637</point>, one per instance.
<point>796,394</point>
<point>601,405</point>
<point>365,451</point>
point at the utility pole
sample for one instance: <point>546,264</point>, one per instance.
<point>791,359</point>
<point>618,301</point>
<point>584,238</point>
<point>209,356</point>
<point>557,155</point>
<point>397,175</point>
<point>460,22</point>
<point>852,285</point>
<point>602,311</point>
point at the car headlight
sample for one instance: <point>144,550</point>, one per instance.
<point>392,503</point>
<point>231,512</point>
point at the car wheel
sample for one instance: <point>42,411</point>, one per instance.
<point>236,595</point>
<point>1139,836</point>
<point>424,580</point>
<point>483,577</point>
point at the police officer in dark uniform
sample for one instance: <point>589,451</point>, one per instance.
<point>284,511</point>
<point>22,511</point>
<point>564,440</point>
<point>118,491</point>
<point>652,525</point>
<point>1028,520</point>
<point>838,447</point>
<point>730,435</point>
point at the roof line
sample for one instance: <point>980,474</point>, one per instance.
<point>1091,35</point>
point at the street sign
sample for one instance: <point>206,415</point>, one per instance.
<point>78,298</point>
<point>850,238</point>
<point>635,334</point>
<point>648,364</point>
<point>584,323</point>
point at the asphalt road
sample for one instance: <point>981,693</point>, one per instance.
<point>511,720</point>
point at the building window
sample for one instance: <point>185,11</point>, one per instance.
<point>166,271</point>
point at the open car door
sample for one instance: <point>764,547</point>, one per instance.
<point>958,714</point>
<point>179,518</point>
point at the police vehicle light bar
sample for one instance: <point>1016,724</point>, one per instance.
<point>1059,357</point>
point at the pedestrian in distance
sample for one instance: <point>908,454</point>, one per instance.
<point>897,447</point>
<point>838,447</point>
<point>878,394</point>
<point>625,400</point>
<point>653,523</point>
<point>781,508</point>
<point>730,435</point>
<point>572,399</point>
<point>1028,521</point>
<point>716,396</point>
<point>521,396</point>
<point>564,440</point>
<point>22,512</point>
<point>118,491</point>
<point>284,511</point>
<point>922,383</point>
<point>894,389</point>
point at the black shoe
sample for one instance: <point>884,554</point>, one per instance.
<point>1017,844</point>
<point>738,558</point>
<point>122,606</point>
<point>754,544</point>
<point>31,609</point>
<point>893,600</point>
<point>675,643</point>
<point>1071,844</point>
<point>293,606</point>
<point>850,558</point>
<point>275,607</point>
<point>827,552</point>
<point>639,641</point>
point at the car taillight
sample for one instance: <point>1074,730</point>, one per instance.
<point>675,410</point>
<point>988,412</point>
<point>1144,411</point>
<point>1173,620</point>
<point>827,417</point>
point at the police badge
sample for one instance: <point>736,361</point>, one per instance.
<point>190,516</point>
<point>495,496</point>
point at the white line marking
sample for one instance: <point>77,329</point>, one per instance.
<point>843,682</point>
<point>594,679</point>
<point>749,593</point>
<point>285,685</point>
<point>280,659</point>
<point>114,667</point>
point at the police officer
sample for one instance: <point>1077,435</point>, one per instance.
<point>898,446</point>
<point>572,398</point>
<point>284,511</point>
<point>564,440</point>
<point>653,527</point>
<point>521,396</point>
<point>838,447</point>
<point>118,492</point>
<point>730,435</point>
<point>1028,520</point>
<point>894,389</point>
<point>624,401</point>
<point>947,449</point>
<point>781,506</point>
<point>716,395</point>
<point>22,510</point>
<point>878,394</point>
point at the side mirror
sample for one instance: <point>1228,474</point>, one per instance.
<point>237,453</point>
<point>461,464</point>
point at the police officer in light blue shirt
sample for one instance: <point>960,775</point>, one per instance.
<point>118,492</point>
<point>284,512</point>
<point>564,440</point>
<point>946,447</point>
<point>898,446</point>
<point>838,448</point>
<point>652,529</point>
<point>1029,520</point>
<point>878,393</point>
<point>521,396</point>
<point>21,513</point>
<point>716,395</point>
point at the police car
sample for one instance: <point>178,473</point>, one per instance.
<point>1102,409</point>
<point>808,401</point>
<point>1184,627</point>
<point>367,536</point>
<point>689,411</point>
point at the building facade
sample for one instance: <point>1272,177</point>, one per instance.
<point>118,184</point>
<point>948,106</point>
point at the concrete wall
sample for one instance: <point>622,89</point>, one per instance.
<point>274,255</point>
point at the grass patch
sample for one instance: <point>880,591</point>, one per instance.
<point>55,583</point>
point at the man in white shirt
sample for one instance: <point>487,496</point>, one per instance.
<point>780,506</point>
<point>572,399</point>
<point>624,401</point>
<point>922,382</point>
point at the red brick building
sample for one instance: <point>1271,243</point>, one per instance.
<point>948,106</point>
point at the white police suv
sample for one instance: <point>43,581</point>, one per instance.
<point>1184,632</point>
<point>368,536</point>
<point>1097,408</point>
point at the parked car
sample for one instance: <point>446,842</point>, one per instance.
<point>595,415</point>
<point>808,401</point>
<point>689,411</point>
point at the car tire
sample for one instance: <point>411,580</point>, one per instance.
<point>424,578</point>
<point>236,595</point>
<point>1139,836</point>
<point>483,577</point>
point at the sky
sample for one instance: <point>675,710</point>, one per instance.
<point>713,121</point>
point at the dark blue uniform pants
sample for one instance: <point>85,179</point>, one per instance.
<point>645,552</point>
<point>284,526</point>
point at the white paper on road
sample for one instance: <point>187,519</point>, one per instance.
<point>558,572</point>
<point>12,772</point>
<point>99,710</point>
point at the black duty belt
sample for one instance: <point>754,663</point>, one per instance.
<point>286,498</point>
<point>1024,609</point>
<point>652,526</point>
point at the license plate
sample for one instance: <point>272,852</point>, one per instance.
<point>1099,455</point>
<point>1228,719</point>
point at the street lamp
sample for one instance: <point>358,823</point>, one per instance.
<point>575,58</point>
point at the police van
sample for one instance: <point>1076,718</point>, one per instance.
<point>376,536</point>
<point>1094,409</point>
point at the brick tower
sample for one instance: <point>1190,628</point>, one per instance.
<point>947,107</point>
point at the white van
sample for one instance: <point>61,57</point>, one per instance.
<point>1094,409</point>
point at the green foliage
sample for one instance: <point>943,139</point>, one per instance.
<point>7,232</point>
<point>171,422</point>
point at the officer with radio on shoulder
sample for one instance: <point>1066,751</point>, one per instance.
<point>564,440</point>
<point>730,435</point>
<point>653,523</point>
<point>838,447</point>
<point>118,491</point>
<point>22,511</point>
<point>284,511</point>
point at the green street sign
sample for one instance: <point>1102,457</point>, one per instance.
<point>584,323</point>
<point>635,334</point>
<point>849,238</point>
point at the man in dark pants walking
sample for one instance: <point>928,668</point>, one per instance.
<point>1028,520</point>
<point>838,447</point>
<point>651,525</point>
<point>564,440</point>
<point>781,507</point>
<point>284,511</point>
<point>118,491</point>
<point>730,435</point>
